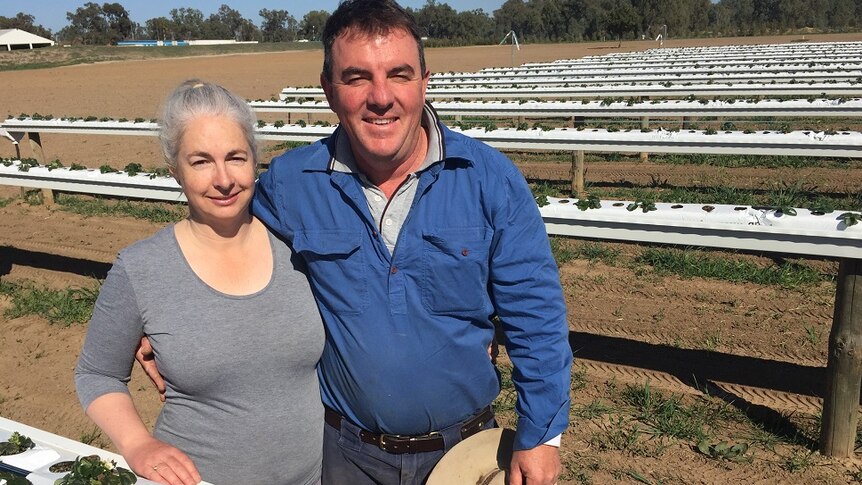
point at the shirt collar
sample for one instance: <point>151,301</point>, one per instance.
<point>343,160</point>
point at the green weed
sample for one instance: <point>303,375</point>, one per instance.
<point>691,263</point>
<point>596,251</point>
<point>155,212</point>
<point>65,307</point>
<point>561,251</point>
<point>592,410</point>
<point>667,416</point>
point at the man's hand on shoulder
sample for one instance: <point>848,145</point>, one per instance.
<point>536,466</point>
<point>145,357</point>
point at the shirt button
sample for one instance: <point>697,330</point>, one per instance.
<point>377,198</point>
<point>374,233</point>
<point>393,270</point>
<point>464,252</point>
<point>388,222</point>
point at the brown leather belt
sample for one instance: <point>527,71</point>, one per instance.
<point>400,444</point>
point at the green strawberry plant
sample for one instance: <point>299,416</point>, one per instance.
<point>850,218</point>
<point>645,206</point>
<point>92,470</point>
<point>14,479</point>
<point>17,443</point>
<point>590,202</point>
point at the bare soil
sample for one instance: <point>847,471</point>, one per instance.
<point>757,347</point>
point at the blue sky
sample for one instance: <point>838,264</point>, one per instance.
<point>52,13</point>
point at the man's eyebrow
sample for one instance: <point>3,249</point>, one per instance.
<point>353,71</point>
<point>402,69</point>
<point>357,71</point>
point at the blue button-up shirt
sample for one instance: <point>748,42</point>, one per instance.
<point>408,332</point>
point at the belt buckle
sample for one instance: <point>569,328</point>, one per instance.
<point>382,443</point>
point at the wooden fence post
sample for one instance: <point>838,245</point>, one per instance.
<point>578,173</point>
<point>844,365</point>
<point>39,153</point>
<point>686,122</point>
<point>644,126</point>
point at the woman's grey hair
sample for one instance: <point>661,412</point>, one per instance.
<point>195,98</point>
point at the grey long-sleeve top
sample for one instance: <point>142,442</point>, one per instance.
<point>242,393</point>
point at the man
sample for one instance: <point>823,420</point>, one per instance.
<point>415,236</point>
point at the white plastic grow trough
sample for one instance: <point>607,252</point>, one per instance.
<point>547,109</point>
<point>648,77</point>
<point>91,181</point>
<point>795,143</point>
<point>709,225</point>
<point>50,449</point>
<point>18,127</point>
<point>676,66</point>
<point>645,89</point>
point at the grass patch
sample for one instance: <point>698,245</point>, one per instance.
<point>690,263</point>
<point>667,416</point>
<point>5,202</point>
<point>150,211</point>
<point>64,307</point>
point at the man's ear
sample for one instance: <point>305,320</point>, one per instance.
<point>327,87</point>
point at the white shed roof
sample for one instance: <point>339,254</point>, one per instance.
<point>11,37</point>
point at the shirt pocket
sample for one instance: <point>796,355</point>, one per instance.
<point>455,269</point>
<point>337,268</point>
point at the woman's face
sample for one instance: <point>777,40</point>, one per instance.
<point>215,167</point>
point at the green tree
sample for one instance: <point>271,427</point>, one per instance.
<point>437,20</point>
<point>278,26</point>
<point>119,24</point>
<point>160,28</point>
<point>521,17</point>
<point>24,21</point>
<point>228,23</point>
<point>87,25</point>
<point>188,22</point>
<point>621,20</point>
<point>311,26</point>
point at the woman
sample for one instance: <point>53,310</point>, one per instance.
<point>230,316</point>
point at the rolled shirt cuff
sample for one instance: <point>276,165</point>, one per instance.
<point>555,441</point>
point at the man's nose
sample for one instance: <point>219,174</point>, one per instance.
<point>381,94</point>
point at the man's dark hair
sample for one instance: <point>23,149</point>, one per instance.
<point>369,17</point>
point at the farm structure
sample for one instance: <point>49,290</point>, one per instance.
<point>638,226</point>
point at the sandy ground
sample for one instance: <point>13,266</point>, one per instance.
<point>760,345</point>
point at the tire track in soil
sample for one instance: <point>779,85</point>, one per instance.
<point>56,249</point>
<point>607,328</point>
<point>757,396</point>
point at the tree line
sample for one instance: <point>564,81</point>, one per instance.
<point>532,21</point>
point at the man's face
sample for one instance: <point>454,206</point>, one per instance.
<point>378,92</point>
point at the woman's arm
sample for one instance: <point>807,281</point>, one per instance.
<point>148,457</point>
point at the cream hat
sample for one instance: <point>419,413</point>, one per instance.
<point>482,459</point>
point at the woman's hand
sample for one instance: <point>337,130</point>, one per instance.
<point>161,462</point>
<point>148,457</point>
